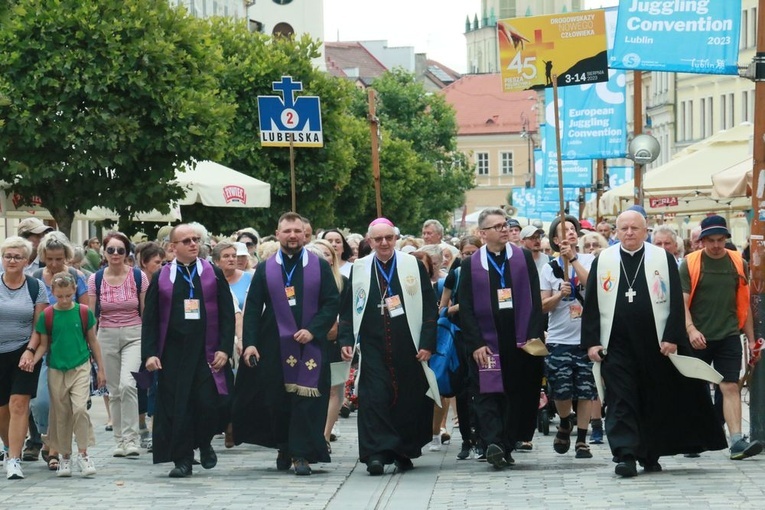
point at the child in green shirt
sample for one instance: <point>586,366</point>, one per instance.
<point>68,330</point>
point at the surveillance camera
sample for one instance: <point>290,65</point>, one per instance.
<point>643,149</point>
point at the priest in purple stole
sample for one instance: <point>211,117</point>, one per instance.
<point>281,401</point>
<point>500,311</point>
<point>188,337</point>
<point>392,315</point>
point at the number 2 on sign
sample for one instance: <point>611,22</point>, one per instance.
<point>290,117</point>
<point>520,65</point>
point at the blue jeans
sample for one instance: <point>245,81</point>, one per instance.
<point>40,405</point>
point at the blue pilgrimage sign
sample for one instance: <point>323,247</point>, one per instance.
<point>290,121</point>
<point>689,36</point>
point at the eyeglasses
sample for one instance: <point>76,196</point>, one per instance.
<point>111,250</point>
<point>13,258</point>
<point>499,227</point>
<point>592,245</point>
<point>388,238</point>
<point>189,240</point>
<point>535,237</point>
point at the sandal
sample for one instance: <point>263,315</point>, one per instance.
<point>562,440</point>
<point>329,447</point>
<point>53,464</point>
<point>583,451</point>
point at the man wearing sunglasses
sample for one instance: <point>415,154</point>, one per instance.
<point>500,311</point>
<point>188,337</point>
<point>391,313</point>
<point>282,402</point>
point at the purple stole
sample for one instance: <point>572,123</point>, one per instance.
<point>210,298</point>
<point>490,378</point>
<point>301,363</point>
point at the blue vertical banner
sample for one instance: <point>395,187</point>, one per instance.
<point>689,36</point>
<point>593,118</point>
<point>618,175</point>
<point>576,173</point>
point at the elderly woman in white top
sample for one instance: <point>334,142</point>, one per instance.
<point>22,299</point>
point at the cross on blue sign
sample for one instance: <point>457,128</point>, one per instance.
<point>290,121</point>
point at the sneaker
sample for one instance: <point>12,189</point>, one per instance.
<point>131,450</point>
<point>13,469</point>
<point>64,467</point>
<point>31,453</point>
<point>465,451</point>
<point>85,464</point>
<point>435,445</point>
<point>145,438</point>
<point>479,454</point>
<point>743,449</point>
<point>596,437</point>
<point>119,450</point>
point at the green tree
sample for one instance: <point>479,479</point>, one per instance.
<point>422,173</point>
<point>251,63</point>
<point>106,99</point>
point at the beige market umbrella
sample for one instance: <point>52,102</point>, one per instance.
<point>215,185</point>
<point>735,181</point>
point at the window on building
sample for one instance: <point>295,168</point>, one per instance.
<point>703,118</point>
<point>731,111</point>
<point>689,122</point>
<point>683,121</point>
<point>744,41</point>
<point>745,116</point>
<point>482,163</point>
<point>507,163</point>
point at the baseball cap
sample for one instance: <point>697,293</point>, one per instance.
<point>714,225</point>
<point>31,226</point>
<point>241,249</point>
<point>586,225</point>
<point>513,223</point>
<point>530,230</point>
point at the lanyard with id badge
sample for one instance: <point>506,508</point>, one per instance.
<point>289,289</point>
<point>504,294</point>
<point>390,301</point>
<point>574,306</point>
<point>191,310</point>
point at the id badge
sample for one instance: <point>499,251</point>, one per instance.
<point>191,309</point>
<point>395,308</point>
<point>505,299</point>
<point>290,291</point>
<point>575,311</point>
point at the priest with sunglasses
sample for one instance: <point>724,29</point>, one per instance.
<point>188,338</point>
<point>390,316</point>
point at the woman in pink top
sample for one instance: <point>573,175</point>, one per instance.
<point>118,305</point>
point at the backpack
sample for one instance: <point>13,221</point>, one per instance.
<point>48,313</point>
<point>558,273</point>
<point>100,279</point>
<point>33,286</point>
<point>444,361</point>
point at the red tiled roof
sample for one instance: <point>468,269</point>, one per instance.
<point>350,55</point>
<point>482,107</point>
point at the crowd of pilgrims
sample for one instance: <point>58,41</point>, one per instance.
<point>170,384</point>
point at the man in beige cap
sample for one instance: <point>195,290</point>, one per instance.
<point>531,239</point>
<point>32,229</point>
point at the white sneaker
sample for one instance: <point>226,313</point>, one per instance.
<point>64,467</point>
<point>131,450</point>
<point>85,465</point>
<point>435,445</point>
<point>335,432</point>
<point>119,450</point>
<point>13,469</point>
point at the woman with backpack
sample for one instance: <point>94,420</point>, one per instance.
<point>22,300</point>
<point>116,295</point>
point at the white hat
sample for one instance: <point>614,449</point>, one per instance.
<point>241,249</point>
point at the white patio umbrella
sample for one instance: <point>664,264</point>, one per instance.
<point>735,181</point>
<point>215,185</point>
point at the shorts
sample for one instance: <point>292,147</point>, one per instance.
<point>725,356</point>
<point>569,373</point>
<point>13,380</point>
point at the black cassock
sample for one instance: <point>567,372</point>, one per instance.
<point>263,412</point>
<point>395,416</point>
<point>189,409</point>
<point>505,418</point>
<point>651,410</point>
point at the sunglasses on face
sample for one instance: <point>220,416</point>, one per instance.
<point>189,240</point>
<point>380,239</point>
<point>591,245</point>
<point>111,250</point>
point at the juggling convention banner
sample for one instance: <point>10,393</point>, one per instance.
<point>576,173</point>
<point>618,175</point>
<point>571,46</point>
<point>593,118</point>
<point>689,36</point>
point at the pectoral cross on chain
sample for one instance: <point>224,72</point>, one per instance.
<point>630,294</point>
<point>382,307</point>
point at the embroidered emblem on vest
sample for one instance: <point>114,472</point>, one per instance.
<point>659,288</point>
<point>361,298</point>
<point>607,282</point>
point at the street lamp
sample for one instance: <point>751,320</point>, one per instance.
<point>525,133</point>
